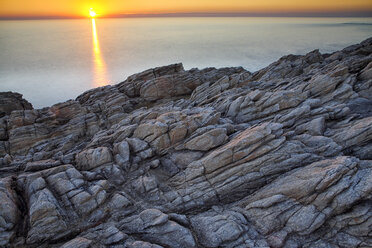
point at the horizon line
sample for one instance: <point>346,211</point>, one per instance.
<point>324,14</point>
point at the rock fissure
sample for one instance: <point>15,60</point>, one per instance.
<point>199,158</point>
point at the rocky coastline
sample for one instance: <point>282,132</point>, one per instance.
<point>281,157</point>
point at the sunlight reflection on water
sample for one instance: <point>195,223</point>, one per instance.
<point>100,73</point>
<point>50,61</point>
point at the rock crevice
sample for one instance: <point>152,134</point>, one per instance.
<point>171,157</point>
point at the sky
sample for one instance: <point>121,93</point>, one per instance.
<point>80,8</point>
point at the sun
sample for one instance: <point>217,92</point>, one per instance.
<point>92,13</point>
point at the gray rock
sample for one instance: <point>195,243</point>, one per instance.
<point>123,152</point>
<point>41,165</point>
<point>150,131</point>
<point>78,243</point>
<point>199,158</point>
<point>93,158</point>
<point>137,145</point>
<point>10,101</point>
<point>315,127</point>
<point>141,244</point>
<point>9,212</point>
<point>152,224</point>
<point>120,201</point>
<point>226,229</point>
<point>208,140</point>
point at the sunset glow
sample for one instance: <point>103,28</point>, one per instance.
<point>92,13</point>
<point>78,8</point>
<point>100,74</point>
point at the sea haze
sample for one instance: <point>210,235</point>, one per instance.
<point>50,61</point>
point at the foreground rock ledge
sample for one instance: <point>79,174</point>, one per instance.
<point>203,158</point>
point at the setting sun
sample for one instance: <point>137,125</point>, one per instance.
<point>107,8</point>
<point>92,13</point>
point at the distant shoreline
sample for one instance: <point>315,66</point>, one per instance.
<point>354,14</point>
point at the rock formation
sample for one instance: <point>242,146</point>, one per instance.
<point>10,101</point>
<point>202,158</point>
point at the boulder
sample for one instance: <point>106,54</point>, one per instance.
<point>10,101</point>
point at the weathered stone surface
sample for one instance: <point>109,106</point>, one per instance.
<point>107,234</point>
<point>41,165</point>
<point>169,86</point>
<point>78,243</point>
<point>202,158</point>
<point>9,212</point>
<point>141,244</point>
<point>123,153</point>
<point>51,193</point>
<point>137,145</point>
<point>155,226</point>
<point>207,140</point>
<point>226,229</point>
<point>306,199</point>
<point>132,85</point>
<point>10,101</point>
<point>93,158</point>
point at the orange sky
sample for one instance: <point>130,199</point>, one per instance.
<point>111,7</point>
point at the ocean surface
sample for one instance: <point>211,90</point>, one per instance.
<point>51,61</point>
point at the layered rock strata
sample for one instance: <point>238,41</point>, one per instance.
<point>202,158</point>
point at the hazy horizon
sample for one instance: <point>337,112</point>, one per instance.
<point>325,14</point>
<point>53,61</point>
<point>118,8</point>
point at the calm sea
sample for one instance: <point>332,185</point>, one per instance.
<point>50,61</point>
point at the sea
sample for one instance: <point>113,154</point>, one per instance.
<point>51,61</point>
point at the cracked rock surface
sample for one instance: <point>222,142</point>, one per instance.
<point>206,158</point>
